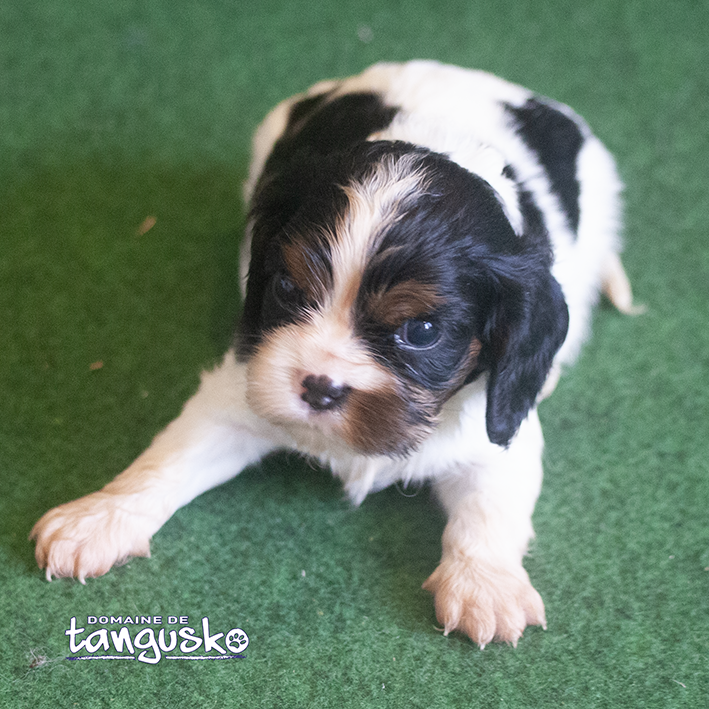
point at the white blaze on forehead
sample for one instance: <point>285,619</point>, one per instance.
<point>374,203</point>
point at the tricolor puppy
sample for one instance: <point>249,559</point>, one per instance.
<point>423,251</point>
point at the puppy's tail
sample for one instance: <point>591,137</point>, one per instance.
<point>616,287</point>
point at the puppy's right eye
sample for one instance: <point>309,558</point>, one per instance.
<point>285,291</point>
<point>283,301</point>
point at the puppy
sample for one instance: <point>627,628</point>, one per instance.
<point>423,250</point>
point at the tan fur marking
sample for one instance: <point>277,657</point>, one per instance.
<point>403,301</point>
<point>473,352</point>
<point>380,422</point>
<point>310,275</point>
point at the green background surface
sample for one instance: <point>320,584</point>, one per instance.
<point>111,112</point>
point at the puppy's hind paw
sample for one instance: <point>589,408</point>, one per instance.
<point>88,536</point>
<point>485,602</point>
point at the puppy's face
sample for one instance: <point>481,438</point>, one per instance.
<point>375,292</point>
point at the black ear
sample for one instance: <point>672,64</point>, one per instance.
<point>528,329</point>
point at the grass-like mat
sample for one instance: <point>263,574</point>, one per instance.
<point>111,112</point>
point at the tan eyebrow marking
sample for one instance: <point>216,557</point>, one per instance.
<point>310,274</point>
<point>403,301</point>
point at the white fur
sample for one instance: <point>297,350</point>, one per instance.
<point>488,492</point>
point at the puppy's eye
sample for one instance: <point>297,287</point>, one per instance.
<point>285,291</point>
<point>418,333</point>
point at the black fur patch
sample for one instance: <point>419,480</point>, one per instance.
<point>322,127</point>
<point>557,140</point>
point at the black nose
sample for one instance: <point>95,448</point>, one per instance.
<point>322,393</point>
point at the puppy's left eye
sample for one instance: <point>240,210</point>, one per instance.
<point>418,333</point>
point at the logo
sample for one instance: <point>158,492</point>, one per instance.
<point>152,644</point>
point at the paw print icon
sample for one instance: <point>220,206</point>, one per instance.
<point>237,640</point>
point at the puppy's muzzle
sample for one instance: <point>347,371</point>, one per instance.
<point>322,394</point>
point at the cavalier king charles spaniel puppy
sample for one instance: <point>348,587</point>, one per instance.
<point>423,251</point>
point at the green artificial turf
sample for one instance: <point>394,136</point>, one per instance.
<point>111,112</point>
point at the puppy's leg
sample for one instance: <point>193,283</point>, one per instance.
<point>480,586</point>
<point>212,440</point>
<point>616,286</point>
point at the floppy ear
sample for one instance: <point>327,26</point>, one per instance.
<point>528,330</point>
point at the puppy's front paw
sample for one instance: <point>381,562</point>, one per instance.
<point>86,537</point>
<point>485,602</point>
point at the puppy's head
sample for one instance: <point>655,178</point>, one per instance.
<point>382,280</point>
